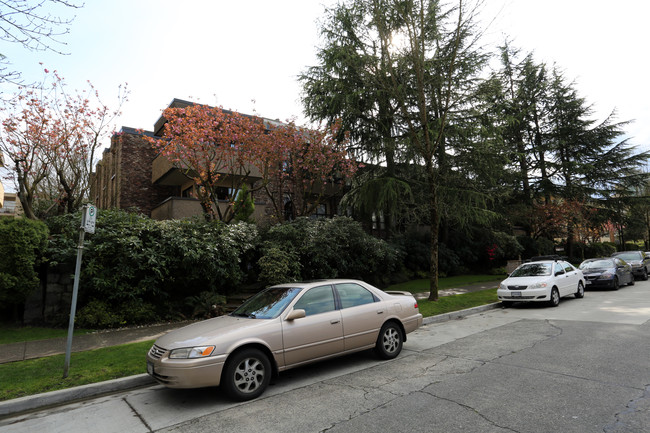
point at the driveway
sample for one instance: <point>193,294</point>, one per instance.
<point>580,367</point>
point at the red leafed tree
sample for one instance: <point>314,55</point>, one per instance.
<point>51,138</point>
<point>215,148</point>
<point>310,166</point>
<point>218,149</point>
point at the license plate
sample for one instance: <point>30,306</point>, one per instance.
<point>150,368</point>
<point>587,282</point>
<point>515,294</point>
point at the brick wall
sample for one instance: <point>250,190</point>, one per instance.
<point>123,176</point>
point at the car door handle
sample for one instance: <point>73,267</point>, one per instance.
<point>380,311</point>
<point>334,322</point>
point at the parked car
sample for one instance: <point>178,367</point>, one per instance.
<point>638,260</point>
<point>542,281</point>
<point>282,327</point>
<point>609,272</point>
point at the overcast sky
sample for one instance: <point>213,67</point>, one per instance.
<point>231,53</point>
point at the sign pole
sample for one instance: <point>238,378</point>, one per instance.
<point>87,225</point>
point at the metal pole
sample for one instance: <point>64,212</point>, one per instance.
<point>73,306</point>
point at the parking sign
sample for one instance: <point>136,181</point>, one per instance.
<point>88,223</point>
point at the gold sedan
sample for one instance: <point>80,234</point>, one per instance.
<point>283,327</point>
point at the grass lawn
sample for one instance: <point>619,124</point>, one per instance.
<point>447,304</point>
<point>419,286</point>
<point>34,376</point>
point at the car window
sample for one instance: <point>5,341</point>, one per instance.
<point>599,264</point>
<point>352,295</point>
<point>630,255</point>
<point>532,270</point>
<point>317,300</point>
<point>559,269</point>
<point>267,304</point>
<point>569,267</point>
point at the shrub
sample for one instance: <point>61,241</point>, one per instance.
<point>22,246</point>
<point>278,266</point>
<point>334,248</point>
<point>134,261</point>
<point>206,304</point>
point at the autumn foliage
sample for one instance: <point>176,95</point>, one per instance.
<point>218,149</point>
<point>50,137</point>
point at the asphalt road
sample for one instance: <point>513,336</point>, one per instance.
<point>581,367</point>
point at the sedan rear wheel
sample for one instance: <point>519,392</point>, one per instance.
<point>581,290</point>
<point>390,340</point>
<point>555,297</point>
<point>246,375</point>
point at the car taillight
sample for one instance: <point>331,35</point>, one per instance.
<point>415,305</point>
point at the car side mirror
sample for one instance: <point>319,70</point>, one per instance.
<point>296,314</point>
<point>558,273</point>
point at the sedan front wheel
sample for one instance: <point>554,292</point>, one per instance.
<point>555,297</point>
<point>390,340</point>
<point>246,375</point>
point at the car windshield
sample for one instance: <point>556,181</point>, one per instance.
<point>597,264</point>
<point>532,270</point>
<point>629,256</point>
<point>267,304</point>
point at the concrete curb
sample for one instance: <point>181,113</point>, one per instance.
<point>64,396</point>
<point>460,314</point>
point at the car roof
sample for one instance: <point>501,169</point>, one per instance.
<point>311,283</point>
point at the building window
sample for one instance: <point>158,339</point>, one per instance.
<point>224,193</point>
<point>188,192</point>
<point>320,212</point>
<point>9,207</point>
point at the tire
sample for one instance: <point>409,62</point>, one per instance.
<point>555,297</point>
<point>246,375</point>
<point>506,304</point>
<point>616,285</point>
<point>631,283</point>
<point>581,290</point>
<point>390,340</point>
<point>644,277</point>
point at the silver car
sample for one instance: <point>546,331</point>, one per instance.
<point>283,327</point>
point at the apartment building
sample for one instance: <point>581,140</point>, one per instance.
<point>131,175</point>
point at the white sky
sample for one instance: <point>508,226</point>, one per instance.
<point>230,53</point>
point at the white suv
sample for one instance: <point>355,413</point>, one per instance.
<point>542,281</point>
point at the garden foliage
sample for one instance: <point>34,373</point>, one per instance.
<point>22,246</point>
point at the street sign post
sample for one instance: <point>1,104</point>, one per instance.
<point>87,226</point>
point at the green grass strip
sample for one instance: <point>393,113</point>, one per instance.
<point>448,304</point>
<point>420,286</point>
<point>34,376</point>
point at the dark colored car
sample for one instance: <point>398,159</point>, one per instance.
<point>608,272</point>
<point>638,260</point>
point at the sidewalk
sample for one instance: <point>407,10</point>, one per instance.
<point>54,346</point>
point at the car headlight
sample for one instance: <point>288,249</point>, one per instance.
<point>538,285</point>
<point>191,352</point>
<point>606,276</point>
<point>503,286</point>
